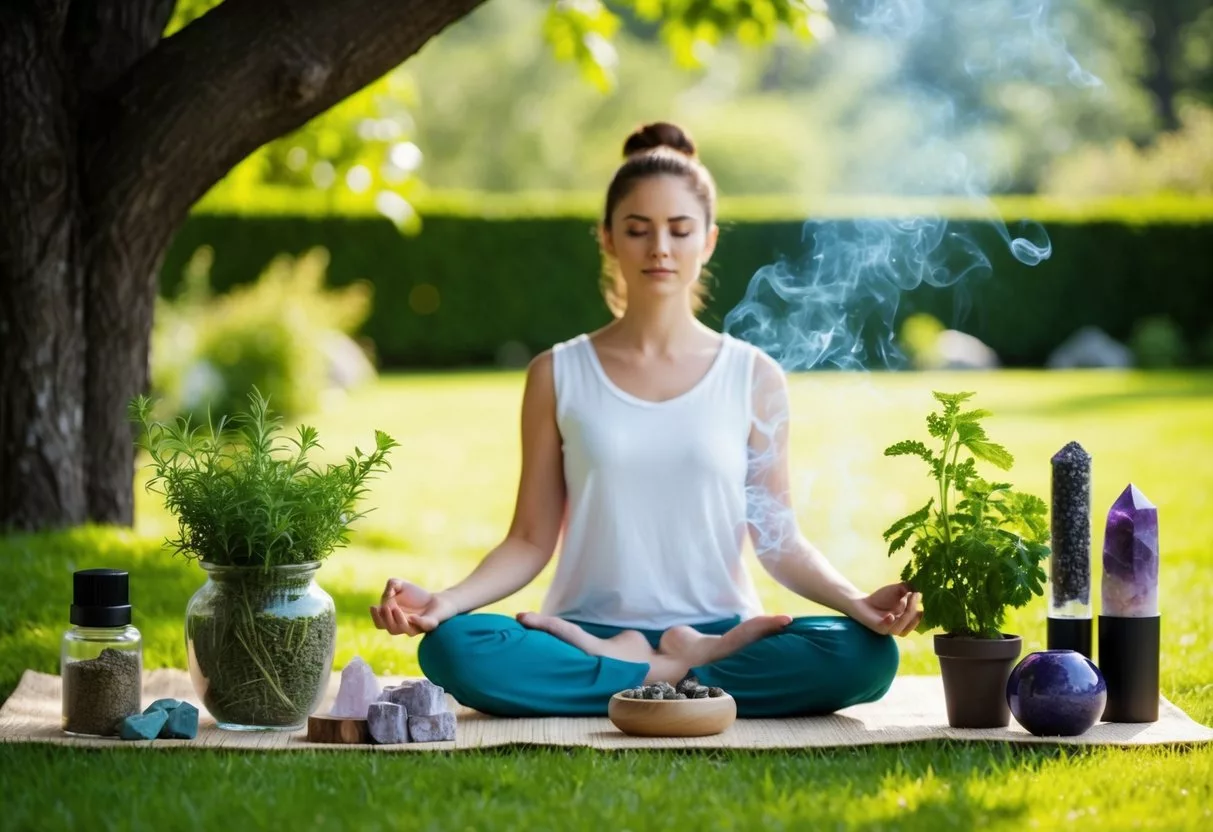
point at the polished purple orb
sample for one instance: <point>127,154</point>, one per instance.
<point>1056,693</point>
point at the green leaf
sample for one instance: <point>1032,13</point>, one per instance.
<point>938,426</point>
<point>900,541</point>
<point>910,520</point>
<point>251,495</point>
<point>990,452</point>
<point>910,448</point>
<point>952,401</point>
<point>581,32</point>
<point>972,416</point>
<point>981,552</point>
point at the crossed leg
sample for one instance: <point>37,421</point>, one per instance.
<point>679,649</point>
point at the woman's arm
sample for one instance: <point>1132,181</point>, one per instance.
<point>783,551</point>
<point>407,609</point>
<point>539,508</point>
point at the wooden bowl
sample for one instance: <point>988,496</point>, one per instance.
<point>672,717</point>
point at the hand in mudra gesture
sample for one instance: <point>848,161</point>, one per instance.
<point>890,610</point>
<point>407,609</point>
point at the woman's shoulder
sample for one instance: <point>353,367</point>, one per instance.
<point>763,363</point>
<point>569,343</point>
<point>543,363</point>
<point>767,374</point>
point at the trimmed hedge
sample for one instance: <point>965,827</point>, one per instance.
<point>469,285</point>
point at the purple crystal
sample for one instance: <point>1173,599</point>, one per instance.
<point>1130,557</point>
<point>1056,693</point>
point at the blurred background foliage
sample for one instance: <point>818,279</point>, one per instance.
<point>285,333</point>
<point>819,108</point>
<point>487,154</point>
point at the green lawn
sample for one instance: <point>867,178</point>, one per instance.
<point>449,499</point>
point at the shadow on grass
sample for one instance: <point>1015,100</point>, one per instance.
<point>1170,387</point>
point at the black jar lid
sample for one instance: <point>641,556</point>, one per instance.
<point>101,598</point>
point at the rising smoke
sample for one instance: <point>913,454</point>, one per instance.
<point>833,306</point>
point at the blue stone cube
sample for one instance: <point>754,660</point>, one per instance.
<point>143,726</point>
<point>182,723</point>
<point>162,705</point>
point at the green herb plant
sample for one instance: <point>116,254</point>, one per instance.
<point>245,494</point>
<point>977,546</point>
<point>249,499</point>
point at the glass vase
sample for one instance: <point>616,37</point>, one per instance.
<point>260,643</point>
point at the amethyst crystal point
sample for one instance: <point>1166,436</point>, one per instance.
<point>1070,561</point>
<point>1130,557</point>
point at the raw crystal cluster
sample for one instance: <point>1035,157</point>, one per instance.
<point>1130,557</point>
<point>414,711</point>
<point>359,688</point>
<point>1070,561</point>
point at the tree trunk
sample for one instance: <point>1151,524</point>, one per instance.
<point>92,192</point>
<point>1164,42</point>
<point>42,345</point>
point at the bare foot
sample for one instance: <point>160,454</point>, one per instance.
<point>680,648</point>
<point>696,648</point>
<point>629,645</point>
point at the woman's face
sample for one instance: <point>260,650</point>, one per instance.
<point>660,238</point>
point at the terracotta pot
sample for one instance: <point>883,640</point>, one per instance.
<point>975,673</point>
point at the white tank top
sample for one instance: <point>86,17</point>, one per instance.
<point>656,495</point>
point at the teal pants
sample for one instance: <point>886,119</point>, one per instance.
<point>815,665</point>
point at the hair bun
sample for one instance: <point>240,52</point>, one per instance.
<point>659,134</point>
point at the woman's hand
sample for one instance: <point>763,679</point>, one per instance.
<point>890,610</point>
<point>407,609</point>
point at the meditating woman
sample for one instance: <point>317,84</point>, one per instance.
<point>655,444</point>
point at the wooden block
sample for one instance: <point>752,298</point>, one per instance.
<point>341,730</point>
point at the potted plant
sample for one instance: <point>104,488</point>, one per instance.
<point>260,517</point>
<point>977,548</point>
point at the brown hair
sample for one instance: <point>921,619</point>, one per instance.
<point>657,149</point>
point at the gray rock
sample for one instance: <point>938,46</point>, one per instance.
<point>386,723</point>
<point>1090,347</point>
<point>420,697</point>
<point>432,727</point>
<point>348,365</point>
<point>961,351</point>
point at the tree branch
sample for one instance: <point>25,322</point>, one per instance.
<point>104,38</point>
<point>169,128</point>
<point>241,75</point>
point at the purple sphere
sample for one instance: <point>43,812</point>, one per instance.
<point>1056,693</point>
